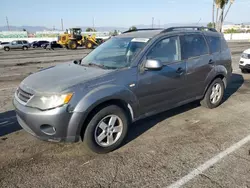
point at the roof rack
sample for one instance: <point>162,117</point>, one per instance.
<point>146,29</point>
<point>199,28</point>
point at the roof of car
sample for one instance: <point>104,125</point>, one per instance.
<point>149,33</point>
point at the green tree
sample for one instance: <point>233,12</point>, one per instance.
<point>132,28</point>
<point>211,25</point>
<point>115,32</point>
<point>89,29</point>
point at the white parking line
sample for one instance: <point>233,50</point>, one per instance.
<point>7,88</point>
<point>209,163</point>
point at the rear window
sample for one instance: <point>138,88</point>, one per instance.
<point>214,43</point>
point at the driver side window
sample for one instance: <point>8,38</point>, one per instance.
<point>167,50</point>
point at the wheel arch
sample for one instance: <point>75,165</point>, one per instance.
<point>124,105</point>
<point>221,76</point>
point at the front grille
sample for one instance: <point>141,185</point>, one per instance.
<point>23,95</point>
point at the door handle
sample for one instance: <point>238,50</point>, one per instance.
<point>180,71</point>
<point>211,62</point>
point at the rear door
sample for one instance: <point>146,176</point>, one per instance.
<point>195,53</point>
<point>19,44</point>
<point>160,89</point>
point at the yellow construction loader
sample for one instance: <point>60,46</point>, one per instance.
<point>73,38</point>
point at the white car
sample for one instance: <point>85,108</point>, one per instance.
<point>245,61</point>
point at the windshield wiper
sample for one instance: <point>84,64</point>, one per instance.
<point>97,65</point>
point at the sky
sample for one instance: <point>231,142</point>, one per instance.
<point>123,13</point>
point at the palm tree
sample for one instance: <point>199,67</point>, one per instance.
<point>231,2</point>
<point>220,4</point>
<point>217,3</point>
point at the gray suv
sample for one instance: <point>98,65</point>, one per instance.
<point>131,76</point>
<point>17,44</point>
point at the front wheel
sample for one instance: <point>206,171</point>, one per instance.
<point>106,130</point>
<point>6,49</point>
<point>214,94</point>
<point>72,45</point>
<point>244,71</point>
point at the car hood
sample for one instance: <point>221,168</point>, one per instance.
<point>247,51</point>
<point>58,78</point>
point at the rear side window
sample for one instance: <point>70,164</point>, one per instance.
<point>224,45</point>
<point>193,45</point>
<point>19,42</point>
<point>214,43</point>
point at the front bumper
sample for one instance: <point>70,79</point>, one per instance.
<point>52,125</point>
<point>244,63</point>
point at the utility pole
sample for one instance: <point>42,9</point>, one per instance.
<point>159,23</point>
<point>93,22</point>
<point>213,15</point>
<point>152,22</point>
<point>7,21</point>
<point>62,23</point>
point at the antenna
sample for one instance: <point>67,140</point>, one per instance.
<point>198,21</point>
<point>7,21</point>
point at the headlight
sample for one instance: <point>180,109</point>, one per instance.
<point>245,56</point>
<point>49,102</point>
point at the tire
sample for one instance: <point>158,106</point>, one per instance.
<point>207,101</point>
<point>72,45</point>
<point>93,131</point>
<point>89,45</point>
<point>6,49</point>
<point>25,48</point>
<point>243,70</point>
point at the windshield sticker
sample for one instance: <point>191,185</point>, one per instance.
<point>139,40</point>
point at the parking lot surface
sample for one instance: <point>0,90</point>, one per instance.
<point>160,151</point>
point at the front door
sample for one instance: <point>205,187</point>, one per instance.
<point>14,45</point>
<point>160,89</point>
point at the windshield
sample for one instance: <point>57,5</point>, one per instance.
<point>115,53</point>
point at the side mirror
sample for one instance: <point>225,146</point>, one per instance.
<point>78,62</point>
<point>152,64</point>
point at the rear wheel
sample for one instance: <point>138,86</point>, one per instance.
<point>72,45</point>
<point>89,45</point>
<point>214,94</point>
<point>106,130</point>
<point>6,49</point>
<point>25,48</point>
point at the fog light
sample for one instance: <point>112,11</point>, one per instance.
<point>48,129</point>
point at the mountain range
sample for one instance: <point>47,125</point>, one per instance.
<point>33,29</point>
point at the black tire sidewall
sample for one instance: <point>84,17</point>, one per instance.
<point>209,92</point>
<point>89,139</point>
<point>6,49</point>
